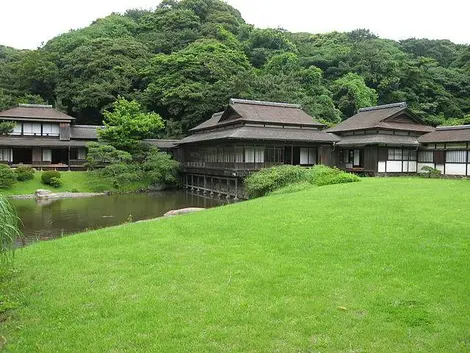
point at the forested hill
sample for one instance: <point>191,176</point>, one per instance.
<point>186,59</point>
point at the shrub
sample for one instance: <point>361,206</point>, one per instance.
<point>321,175</point>
<point>294,178</point>
<point>7,176</point>
<point>24,173</point>
<point>270,179</point>
<point>9,231</point>
<point>55,182</point>
<point>47,176</point>
<point>430,172</point>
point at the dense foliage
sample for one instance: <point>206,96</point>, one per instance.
<point>52,178</point>
<point>24,173</point>
<point>7,176</point>
<point>9,231</point>
<point>186,58</point>
<point>294,177</point>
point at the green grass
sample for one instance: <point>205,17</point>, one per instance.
<point>376,266</point>
<point>72,181</point>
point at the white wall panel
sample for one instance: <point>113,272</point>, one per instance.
<point>393,166</point>
<point>455,169</point>
<point>440,167</point>
<point>381,167</point>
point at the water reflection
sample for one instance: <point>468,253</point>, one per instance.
<point>49,219</point>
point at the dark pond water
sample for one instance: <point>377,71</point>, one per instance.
<point>43,220</point>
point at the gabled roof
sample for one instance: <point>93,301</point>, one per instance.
<point>459,133</point>
<point>241,110</point>
<point>383,117</point>
<point>263,134</point>
<point>31,112</point>
<point>162,143</point>
<point>378,139</point>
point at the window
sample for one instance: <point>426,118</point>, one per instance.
<point>249,154</point>
<point>50,129</point>
<point>409,155</point>
<point>456,157</point>
<point>37,129</point>
<point>238,154</point>
<point>17,129</point>
<point>28,129</point>
<point>426,156</point>
<point>46,155</point>
<point>5,154</point>
<point>308,156</point>
<point>259,154</point>
<point>395,154</point>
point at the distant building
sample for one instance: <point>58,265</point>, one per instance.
<point>44,138</point>
<point>381,139</point>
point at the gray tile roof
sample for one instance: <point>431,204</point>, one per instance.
<point>35,112</point>
<point>240,110</point>
<point>162,143</point>
<point>378,118</point>
<point>84,132</point>
<point>459,133</point>
<point>390,140</point>
<point>265,134</point>
<point>9,141</point>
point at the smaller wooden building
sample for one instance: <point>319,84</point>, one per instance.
<point>381,139</point>
<point>446,149</point>
<point>44,138</point>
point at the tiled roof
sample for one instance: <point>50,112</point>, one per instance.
<point>162,143</point>
<point>240,110</point>
<point>8,141</point>
<point>263,133</point>
<point>379,117</point>
<point>35,112</point>
<point>382,139</point>
<point>459,133</point>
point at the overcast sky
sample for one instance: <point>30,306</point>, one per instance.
<point>28,23</point>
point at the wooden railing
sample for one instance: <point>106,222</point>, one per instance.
<point>231,165</point>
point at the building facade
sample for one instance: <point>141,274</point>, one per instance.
<point>44,138</point>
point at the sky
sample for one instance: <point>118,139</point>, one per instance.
<point>26,24</point>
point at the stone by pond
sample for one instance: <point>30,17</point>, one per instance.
<point>49,218</point>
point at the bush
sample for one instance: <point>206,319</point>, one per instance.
<point>294,178</point>
<point>24,173</point>
<point>47,176</point>
<point>7,176</point>
<point>270,179</point>
<point>430,172</point>
<point>9,230</point>
<point>55,182</point>
<point>321,175</point>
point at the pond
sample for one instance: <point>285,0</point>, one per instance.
<point>43,220</point>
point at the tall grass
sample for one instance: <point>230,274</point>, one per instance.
<point>9,230</point>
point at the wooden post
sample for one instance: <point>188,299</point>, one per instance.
<point>192,182</point>
<point>212,186</point>
<point>236,189</point>
<point>205,185</point>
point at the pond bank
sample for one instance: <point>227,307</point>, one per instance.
<point>58,195</point>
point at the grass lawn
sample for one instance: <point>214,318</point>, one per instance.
<point>376,266</point>
<point>72,182</point>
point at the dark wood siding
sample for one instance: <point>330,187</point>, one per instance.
<point>370,159</point>
<point>64,131</point>
<point>383,154</point>
<point>439,157</point>
<point>327,156</point>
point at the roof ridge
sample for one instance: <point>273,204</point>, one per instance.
<point>24,105</point>
<point>384,106</point>
<point>453,127</point>
<point>266,103</point>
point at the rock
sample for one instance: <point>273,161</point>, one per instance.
<point>43,194</point>
<point>182,211</point>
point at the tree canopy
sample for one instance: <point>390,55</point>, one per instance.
<point>184,59</point>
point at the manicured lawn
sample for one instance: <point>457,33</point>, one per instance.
<point>376,266</point>
<point>72,182</point>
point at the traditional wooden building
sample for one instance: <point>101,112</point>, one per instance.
<point>447,149</point>
<point>44,138</point>
<point>248,136</point>
<point>381,139</point>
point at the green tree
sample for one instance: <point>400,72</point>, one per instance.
<point>126,125</point>
<point>100,154</point>
<point>6,127</point>
<point>351,93</point>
